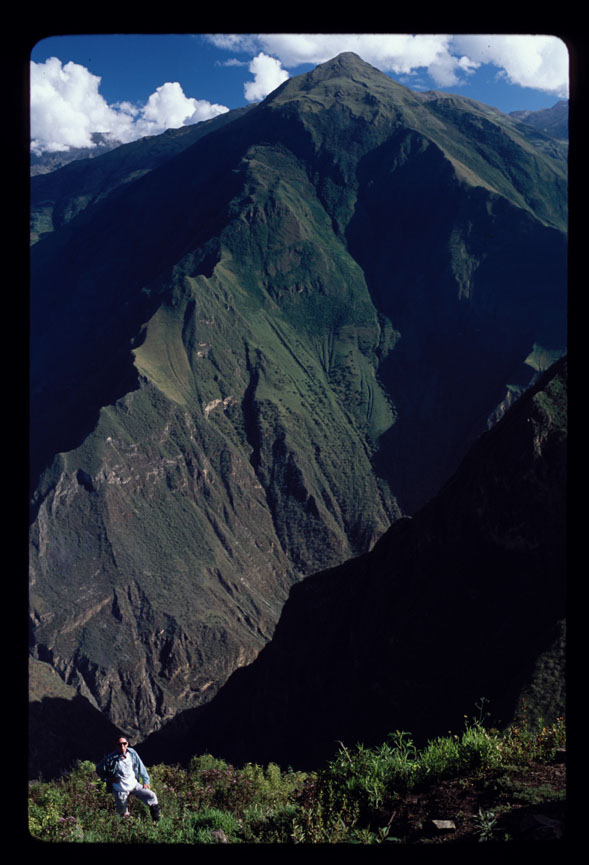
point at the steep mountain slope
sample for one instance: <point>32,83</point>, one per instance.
<point>256,352</point>
<point>466,599</point>
<point>58,196</point>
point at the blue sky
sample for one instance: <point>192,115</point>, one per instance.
<point>129,85</point>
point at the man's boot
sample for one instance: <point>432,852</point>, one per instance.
<point>155,812</point>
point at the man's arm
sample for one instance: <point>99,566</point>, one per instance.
<point>141,771</point>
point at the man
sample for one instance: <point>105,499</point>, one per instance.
<point>125,775</point>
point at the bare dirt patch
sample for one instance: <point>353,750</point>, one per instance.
<point>508,805</point>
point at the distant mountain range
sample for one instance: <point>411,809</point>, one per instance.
<point>552,121</point>
<point>256,344</point>
<point>48,161</point>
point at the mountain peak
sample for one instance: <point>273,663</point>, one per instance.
<point>347,63</point>
<point>345,76</point>
<point>345,60</point>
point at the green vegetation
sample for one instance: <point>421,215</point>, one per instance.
<point>348,800</point>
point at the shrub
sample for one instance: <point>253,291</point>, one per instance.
<point>269,825</point>
<point>226,788</point>
<point>523,743</point>
<point>211,820</point>
<point>329,819</point>
<point>441,757</point>
<point>271,786</point>
<point>46,812</point>
<point>204,762</point>
<point>371,776</point>
<point>479,748</point>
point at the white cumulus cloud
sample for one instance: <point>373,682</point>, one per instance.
<point>534,61</point>
<point>389,52</point>
<point>169,108</point>
<point>541,62</point>
<point>66,108</point>
<point>268,75</point>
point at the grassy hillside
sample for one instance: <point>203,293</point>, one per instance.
<point>483,786</point>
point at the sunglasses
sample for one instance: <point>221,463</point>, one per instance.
<point>122,743</point>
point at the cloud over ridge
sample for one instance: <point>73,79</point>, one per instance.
<point>268,73</point>
<point>528,60</point>
<point>67,108</point>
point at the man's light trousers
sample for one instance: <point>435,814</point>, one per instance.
<point>148,798</point>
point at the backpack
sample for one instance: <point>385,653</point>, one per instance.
<point>108,772</point>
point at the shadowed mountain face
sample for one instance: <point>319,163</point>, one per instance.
<point>464,600</point>
<point>254,347</point>
<point>63,726</point>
